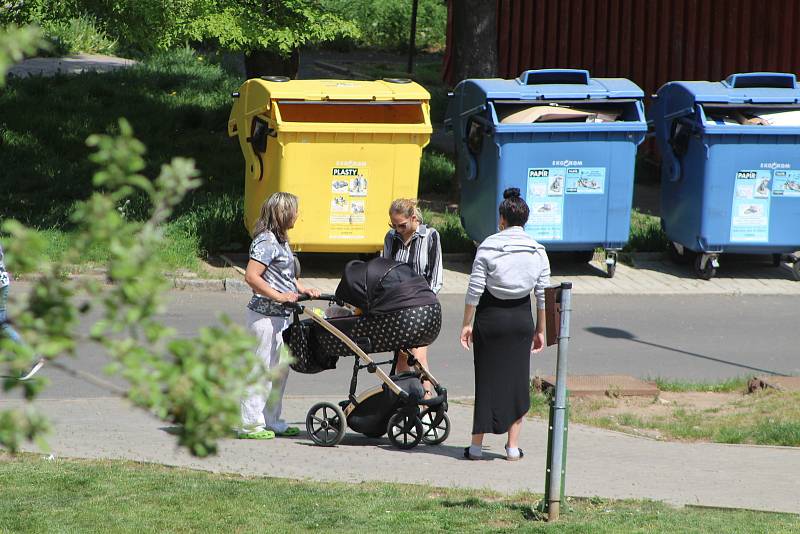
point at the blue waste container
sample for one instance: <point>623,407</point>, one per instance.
<point>566,140</point>
<point>730,168</point>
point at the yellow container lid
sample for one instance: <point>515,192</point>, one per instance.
<point>323,90</point>
<point>257,96</point>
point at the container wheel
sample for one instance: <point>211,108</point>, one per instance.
<point>777,259</point>
<point>796,270</point>
<point>405,430</point>
<point>433,432</point>
<point>611,263</point>
<point>681,258</point>
<point>325,424</point>
<point>707,272</point>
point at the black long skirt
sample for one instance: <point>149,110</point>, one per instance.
<point>502,336</point>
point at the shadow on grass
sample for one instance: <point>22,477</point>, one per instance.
<point>528,513</point>
<point>178,106</point>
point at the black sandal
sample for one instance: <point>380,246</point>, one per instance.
<point>468,456</point>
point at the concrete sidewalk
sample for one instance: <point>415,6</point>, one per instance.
<point>600,462</point>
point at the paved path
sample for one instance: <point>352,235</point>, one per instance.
<point>50,66</point>
<point>602,463</point>
<point>698,337</point>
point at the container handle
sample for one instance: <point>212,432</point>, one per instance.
<point>778,80</point>
<point>555,76</point>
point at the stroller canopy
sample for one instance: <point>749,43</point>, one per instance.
<point>382,285</point>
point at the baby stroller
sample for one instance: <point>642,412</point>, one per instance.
<point>398,312</point>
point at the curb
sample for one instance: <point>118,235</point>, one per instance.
<point>198,284</point>
<point>235,285</point>
<point>183,284</point>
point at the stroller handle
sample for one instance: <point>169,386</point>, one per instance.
<point>323,296</point>
<point>298,308</point>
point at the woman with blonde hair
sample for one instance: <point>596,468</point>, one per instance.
<point>271,274</point>
<point>411,241</point>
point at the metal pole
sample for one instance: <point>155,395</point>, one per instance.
<point>559,407</point>
<point>412,41</point>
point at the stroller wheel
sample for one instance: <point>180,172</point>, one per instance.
<point>325,424</point>
<point>435,427</point>
<point>405,430</point>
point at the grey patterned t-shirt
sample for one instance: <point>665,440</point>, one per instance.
<point>279,274</point>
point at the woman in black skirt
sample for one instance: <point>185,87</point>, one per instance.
<point>508,266</point>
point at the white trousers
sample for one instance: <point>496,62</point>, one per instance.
<point>262,406</point>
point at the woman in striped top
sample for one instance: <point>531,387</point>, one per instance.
<point>412,242</point>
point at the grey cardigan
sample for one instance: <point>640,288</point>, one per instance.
<point>510,264</point>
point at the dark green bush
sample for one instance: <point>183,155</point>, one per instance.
<point>81,34</point>
<point>435,173</point>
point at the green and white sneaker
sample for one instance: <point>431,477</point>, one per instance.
<point>258,433</point>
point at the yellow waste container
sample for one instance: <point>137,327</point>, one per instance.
<point>346,148</point>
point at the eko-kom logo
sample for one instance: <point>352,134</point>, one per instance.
<point>775,165</point>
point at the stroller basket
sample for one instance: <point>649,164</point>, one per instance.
<point>315,349</point>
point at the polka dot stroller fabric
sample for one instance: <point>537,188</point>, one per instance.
<point>399,311</point>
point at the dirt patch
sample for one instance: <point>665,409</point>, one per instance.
<point>662,405</point>
<point>768,417</point>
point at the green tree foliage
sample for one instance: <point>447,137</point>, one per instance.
<point>15,44</point>
<point>278,25</point>
<point>236,25</point>
<point>194,383</point>
<point>387,24</point>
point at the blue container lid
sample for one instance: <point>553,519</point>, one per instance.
<point>472,97</point>
<point>743,88</point>
<point>553,84</point>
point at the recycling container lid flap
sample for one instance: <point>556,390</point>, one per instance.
<point>743,88</point>
<point>552,84</point>
<point>331,90</point>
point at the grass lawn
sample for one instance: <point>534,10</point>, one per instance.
<point>731,385</point>
<point>178,106</point>
<point>716,412</point>
<point>90,496</point>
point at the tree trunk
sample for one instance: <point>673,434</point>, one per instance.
<point>268,63</point>
<point>474,39</point>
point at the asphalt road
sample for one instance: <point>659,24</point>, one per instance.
<point>691,338</point>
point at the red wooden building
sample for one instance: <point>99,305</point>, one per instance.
<point>648,41</point>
